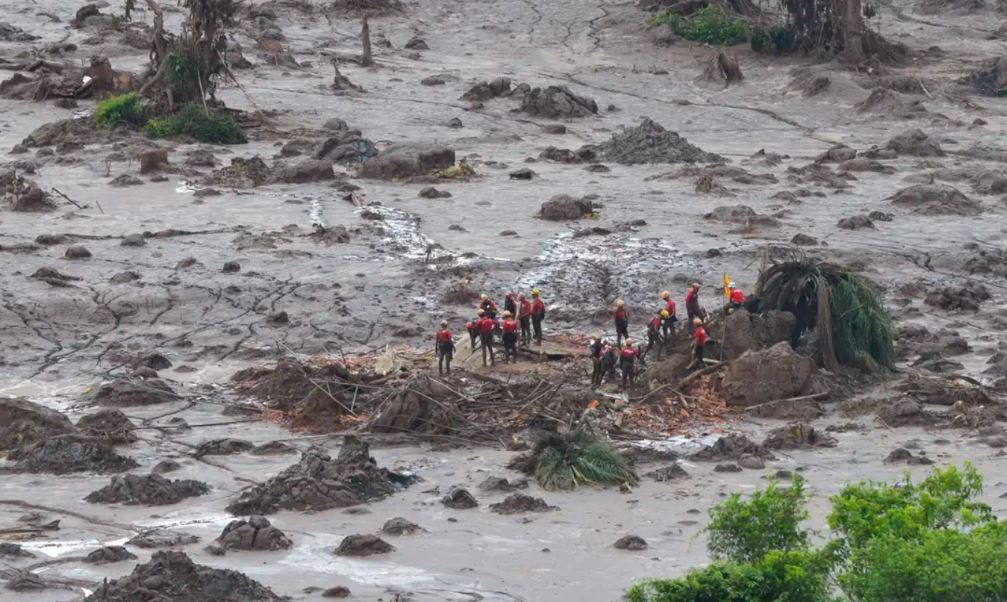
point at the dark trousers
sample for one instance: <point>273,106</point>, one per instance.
<point>536,322</point>
<point>654,338</point>
<point>628,372</point>
<point>487,342</point>
<point>596,371</point>
<point>510,346</point>
<point>445,352</point>
<point>525,329</point>
<point>699,353</point>
<point>607,371</point>
<point>473,337</point>
<point>621,330</point>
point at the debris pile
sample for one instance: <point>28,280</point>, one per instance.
<point>936,199</point>
<point>23,422</point>
<point>69,453</point>
<point>759,377</point>
<point>518,503</point>
<point>256,533</point>
<point>111,425</point>
<point>798,435</point>
<point>651,143</point>
<point>149,490</point>
<point>557,102</point>
<point>363,545</point>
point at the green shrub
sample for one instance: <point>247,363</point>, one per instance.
<point>193,120</point>
<point>576,458</point>
<point>120,110</point>
<point>779,577</point>
<point>745,531</point>
<point>711,25</point>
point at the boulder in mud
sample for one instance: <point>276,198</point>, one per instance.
<point>795,436</point>
<point>317,482</point>
<point>400,526</point>
<point>363,545</point>
<point>77,252</point>
<point>502,485</point>
<point>563,207</point>
<point>25,581</point>
<point>460,499</point>
<point>905,412</point>
<point>74,131</point>
<point>124,393</point>
<point>651,143</point>
<point>153,160</point>
<point>109,555</point>
<point>936,199</point>
<point>856,222</point>
<point>672,472</point>
<point>241,173</point>
<point>742,215</point>
<point>518,503</point>
<point>149,490</point>
<point>901,454</point>
<point>171,576</point>
<point>13,550</point>
<point>223,447</point>
<point>273,448</point>
<point>161,538</point>
<point>803,240</point>
<point>256,533</point>
<point>967,297</point>
<point>407,161</point>
<point>758,377</point>
<point>429,192</point>
<point>339,591</point>
<point>309,170</point>
<point>732,447</point>
<point>753,332</point>
<point>111,425</point>
<point>889,102</point>
<point>486,90</point>
<point>632,543</point>
<point>915,143</point>
<point>23,422</point>
<point>69,453</point>
<point>557,102</point>
<point>584,154</point>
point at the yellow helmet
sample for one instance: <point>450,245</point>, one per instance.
<point>535,292</point>
<point>483,297</point>
<point>665,314</point>
<point>665,295</point>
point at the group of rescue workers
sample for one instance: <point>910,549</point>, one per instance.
<point>522,318</point>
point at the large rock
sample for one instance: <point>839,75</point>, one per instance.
<point>109,554</point>
<point>761,376</point>
<point>172,577</point>
<point>563,207</point>
<point>309,170</point>
<point>399,162</point>
<point>754,332</point>
<point>795,436</point>
<point>557,102</point>
<point>256,533</point>
<point>487,90</point>
<point>149,490</point>
<point>915,143</point>
<point>319,483</point>
<point>363,545</point>
<point>161,538</point>
<point>345,146</point>
<point>732,447</point>
<point>111,425</point>
<point>125,393</point>
<point>936,199</point>
<point>24,422</point>
<point>69,453</point>
<point>518,503</point>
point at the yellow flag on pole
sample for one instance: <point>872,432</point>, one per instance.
<point>727,282</point>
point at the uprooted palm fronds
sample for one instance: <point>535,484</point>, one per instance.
<point>846,309</point>
<point>569,460</point>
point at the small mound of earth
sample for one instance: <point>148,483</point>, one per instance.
<point>563,207</point>
<point>672,472</point>
<point>407,161</point>
<point>901,454</point>
<point>518,503</point>
<point>54,277</point>
<point>400,526</point>
<point>317,482</point>
<point>487,90</point>
<point>856,222</point>
<point>161,538</point>
<point>460,499</point>
<point>241,173</point>
<point>172,576</point>
<point>557,102</point>
<point>632,543</point>
<point>110,425</point>
<point>23,422</point>
<point>273,448</point>
<point>26,581</point>
<point>796,436</point>
<point>732,447</point>
<point>584,154</point>
<point>915,143</point>
<point>69,453</point>
<point>966,298</point>
<point>363,545</point>
<point>150,490</point>
<point>889,102</point>
<point>936,199</point>
<point>23,194</point>
<point>651,143</point>
<point>740,214</point>
<point>256,533</point>
<point>13,550</point>
<point>945,390</point>
<point>502,485</point>
<point>109,555</point>
<point>223,447</point>
<point>124,393</point>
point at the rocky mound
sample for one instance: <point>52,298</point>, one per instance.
<point>363,545</point>
<point>223,447</point>
<point>672,472</point>
<point>889,102</point>
<point>503,485</point>
<point>732,447</point>
<point>173,577</point>
<point>796,436</point>
<point>317,482</point>
<point>936,199</point>
<point>518,503</point>
<point>407,161</point>
<point>256,533</point>
<point>487,90</point>
<point>651,143</point>
<point>150,490</point>
<point>967,297</point>
<point>69,453</point>
<point>761,376</point>
<point>460,499</point>
<point>741,215</point>
<point>110,425</point>
<point>21,194</point>
<point>124,393</point>
<point>241,173</point>
<point>563,207</point>
<point>161,538</point>
<point>109,554</point>
<point>23,422</point>
<point>915,143</point>
<point>400,526</point>
<point>557,102</point>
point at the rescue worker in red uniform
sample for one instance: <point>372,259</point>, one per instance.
<point>445,348</point>
<point>700,340</point>
<point>668,324</point>
<point>509,304</point>
<point>488,306</point>
<point>473,329</point>
<point>737,296</point>
<point>692,307</point>
<point>621,317</point>
<point>594,351</point>
<point>627,363</point>
<point>654,336</point>
<point>537,314</point>
<point>524,317</point>
<point>510,334</point>
<point>608,361</point>
<point>486,327</point>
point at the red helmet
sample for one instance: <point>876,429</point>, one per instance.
<point>508,295</point>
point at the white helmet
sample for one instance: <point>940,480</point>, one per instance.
<point>730,285</point>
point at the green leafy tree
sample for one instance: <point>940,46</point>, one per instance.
<point>745,531</point>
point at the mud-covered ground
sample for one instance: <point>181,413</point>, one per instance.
<point>389,284</point>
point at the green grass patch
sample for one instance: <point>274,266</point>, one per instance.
<point>193,121</point>
<point>712,25</point>
<point>120,110</point>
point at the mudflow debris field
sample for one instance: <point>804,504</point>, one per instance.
<point>230,232</point>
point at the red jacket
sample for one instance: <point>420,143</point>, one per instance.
<point>655,324</point>
<point>538,308</point>
<point>524,308</point>
<point>486,325</point>
<point>629,353</point>
<point>671,308</point>
<point>737,296</point>
<point>510,326</point>
<point>620,313</point>
<point>444,336</point>
<point>701,337</point>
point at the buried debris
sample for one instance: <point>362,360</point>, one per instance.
<point>23,422</point>
<point>317,482</point>
<point>557,101</point>
<point>672,472</point>
<point>936,199</point>
<point>363,545</point>
<point>632,543</point>
<point>173,577</point>
<point>723,69</point>
<point>150,490</point>
<point>256,533</point>
<point>967,297</point>
<point>125,393</point>
<point>69,453</point>
<point>651,143</point>
<point>732,447</point>
<point>518,503</point>
<point>400,526</point>
<point>796,436</point>
<point>460,499</point>
<point>161,538</point>
<point>109,555</point>
<point>900,454</point>
<point>111,425</point>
